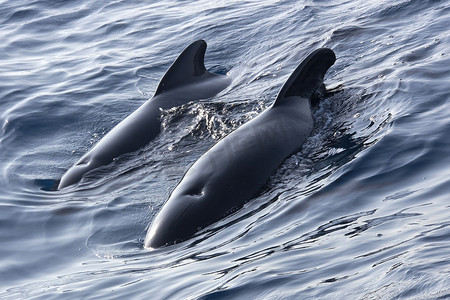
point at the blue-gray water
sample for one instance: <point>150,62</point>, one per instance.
<point>361,212</point>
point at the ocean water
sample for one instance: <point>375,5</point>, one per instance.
<point>360,212</point>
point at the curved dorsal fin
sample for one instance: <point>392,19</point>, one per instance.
<point>187,67</point>
<point>308,76</point>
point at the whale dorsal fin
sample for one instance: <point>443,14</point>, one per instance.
<point>187,67</point>
<point>308,76</point>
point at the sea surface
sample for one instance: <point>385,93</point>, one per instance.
<point>362,211</point>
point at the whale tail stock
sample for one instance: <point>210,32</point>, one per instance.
<point>307,79</point>
<point>187,68</point>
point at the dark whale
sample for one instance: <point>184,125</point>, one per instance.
<point>186,80</point>
<point>236,168</point>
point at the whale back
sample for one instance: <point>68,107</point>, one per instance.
<point>187,68</point>
<point>307,78</point>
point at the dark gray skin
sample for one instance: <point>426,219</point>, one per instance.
<point>186,80</point>
<point>235,169</point>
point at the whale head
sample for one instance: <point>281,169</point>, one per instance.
<point>177,221</point>
<point>77,171</point>
<point>74,175</point>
